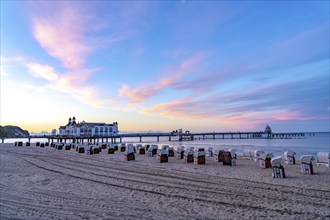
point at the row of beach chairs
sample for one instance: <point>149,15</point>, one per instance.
<point>266,160</point>
<point>196,155</point>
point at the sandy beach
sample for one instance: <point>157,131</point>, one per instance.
<point>45,183</point>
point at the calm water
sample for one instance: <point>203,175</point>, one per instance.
<point>307,145</point>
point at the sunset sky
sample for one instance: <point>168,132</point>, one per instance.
<point>165,65</point>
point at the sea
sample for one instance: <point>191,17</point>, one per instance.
<point>310,144</point>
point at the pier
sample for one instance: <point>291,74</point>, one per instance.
<point>170,136</point>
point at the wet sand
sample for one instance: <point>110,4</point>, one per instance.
<point>45,183</point>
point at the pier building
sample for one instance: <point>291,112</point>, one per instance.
<point>72,128</point>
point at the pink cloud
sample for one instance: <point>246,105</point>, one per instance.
<point>64,35</point>
<point>171,76</point>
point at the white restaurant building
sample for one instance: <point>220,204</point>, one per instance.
<point>87,129</point>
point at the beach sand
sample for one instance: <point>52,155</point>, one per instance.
<point>45,183</point>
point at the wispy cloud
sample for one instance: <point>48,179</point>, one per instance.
<point>64,34</point>
<point>42,71</point>
<point>168,78</point>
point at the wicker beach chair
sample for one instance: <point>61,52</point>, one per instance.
<point>218,156</point>
<point>323,158</point>
<point>199,156</point>
<point>277,168</point>
<point>289,157</point>
<point>306,166</point>
<point>130,152</point>
<point>264,160</point>
<point>247,154</point>
<point>180,152</point>
<point>162,154</point>
<point>255,155</point>
<point>189,155</point>
<point>140,149</point>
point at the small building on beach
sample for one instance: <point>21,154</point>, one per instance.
<point>80,129</point>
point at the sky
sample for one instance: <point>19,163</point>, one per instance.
<point>164,65</point>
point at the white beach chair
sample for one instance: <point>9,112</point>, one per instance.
<point>210,152</point>
<point>199,156</point>
<point>180,152</point>
<point>323,158</point>
<point>247,154</point>
<point>255,155</point>
<point>189,155</point>
<point>278,169</point>
<point>289,157</point>
<point>306,164</point>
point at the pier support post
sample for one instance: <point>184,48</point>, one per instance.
<point>157,138</point>
<point>140,139</point>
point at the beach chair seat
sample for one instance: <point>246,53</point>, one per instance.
<point>323,158</point>
<point>210,152</point>
<point>46,144</point>
<point>199,156</point>
<point>20,143</point>
<point>67,146</point>
<point>27,144</point>
<point>218,156</point>
<point>141,149</point>
<point>104,146</point>
<point>264,160</point>
<point>42,144</point>
<point>189,155</point>
<point>37,144</point>
<point>306,166</point>
<point>122,147</point>
<point>289,157</point>
<point>277,168</point>
<point>180,152</point>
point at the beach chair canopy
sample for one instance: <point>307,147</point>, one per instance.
<point>289,154</point>
<point>256,153</point>
<point>276,161</point>
<point>306,159</point>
